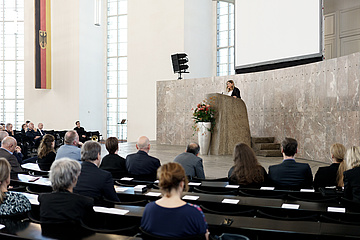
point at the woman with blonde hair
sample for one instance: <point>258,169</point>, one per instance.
<point>332,175</point>
<point>352,176</point>
<point>170,216</point>
<point>247,171</point>
<point>11,203</point>
<point>46,152</point>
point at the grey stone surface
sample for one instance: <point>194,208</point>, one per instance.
<point>317,104</point>
<point>231,124</point>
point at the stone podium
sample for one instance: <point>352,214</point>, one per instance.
<point>232,124</point>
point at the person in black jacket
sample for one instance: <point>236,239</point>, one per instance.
<point>330,176</point>
<point>80,131</point>
<point>62,204</point>
<point>352,176</point>
<point>232,90</point>
<point>112,162</point>
<point>94,182</point>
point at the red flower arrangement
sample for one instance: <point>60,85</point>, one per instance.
<point>204,112</point>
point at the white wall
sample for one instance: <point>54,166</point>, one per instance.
<point>78,68</point>
<point>157,29</point>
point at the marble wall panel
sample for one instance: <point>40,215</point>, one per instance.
<point>318,104</point>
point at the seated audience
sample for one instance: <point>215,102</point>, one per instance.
<point>170,216</point>
<point>17,153</point>
<point>33,135</point>
<point>247,171</point>
<point>81,132</point>
<point>290,174</point>
<point>94,182</point>
<point>190,161</point>
<point>352,175</point>
<point>62,204</point>
<point>71,147</point>
<point>140,164</point>
<point>8,147</point>
<point>9,129</point>
<point>46,152</point>
<point>23,129</point>
<point>112,162</point>
<point>329,176</point>
<point>40,129</point>
<point>11,203</point>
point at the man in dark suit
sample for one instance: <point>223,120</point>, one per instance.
<point>8,146</point>
<point>94,182</point>
<point>140,164</point>
<point>190,161</point>
<point>290,174</point>
<point>41,129</point>
<point>33,135</point>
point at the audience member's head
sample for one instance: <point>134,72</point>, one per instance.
<point>46,145</point>
<point>289,147</point>
<point>143,144</point>
<point>71,138</point>
<point>337,151</point>
<point>193,148</point>
<point>172,177</point>
<point>64,173</point>
<point>3,134</point>
<point>40,126</point>
<point>352,157</point>
<point>77,123</point>
<point>31,126</point>
<point>91,151</point>
<point>9,143</point>
<point>5,170</point>
<point>23,127</point>
<point>112,145</point>
<point>246,166</point>
<point>1,128</point>
<point>9,127</point>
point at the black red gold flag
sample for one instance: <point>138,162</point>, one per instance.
<point>42,44</point>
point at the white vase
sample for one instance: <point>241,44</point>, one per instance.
<point>204,137</point>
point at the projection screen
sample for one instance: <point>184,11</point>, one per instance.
<point>270,32</point>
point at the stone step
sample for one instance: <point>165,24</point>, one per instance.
<point>268,146</point>
<point>262,139</point>
<point>269,153</point>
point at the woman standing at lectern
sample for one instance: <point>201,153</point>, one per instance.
<point>232,90</point>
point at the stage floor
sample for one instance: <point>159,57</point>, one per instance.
<point>214,166</point>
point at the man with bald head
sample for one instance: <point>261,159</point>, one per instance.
<point>34,135</point>
<point>8,146</point>
<point>190,161</point>
<point>71,147</point>
<point>140,164</point>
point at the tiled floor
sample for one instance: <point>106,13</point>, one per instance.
<point>214,166</point>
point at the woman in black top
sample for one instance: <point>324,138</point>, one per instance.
<point>112,162</point>
<point>232,90</point>
<point>62,205</point>
<point>46,152</point>
<point>332,175</point>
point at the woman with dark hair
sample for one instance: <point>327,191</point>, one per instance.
<point>247,171</point>
<point>112,162</point>
<point>11,203</point>
<point>232,90</point>
<point>46,152</point>
<point>170,216</point>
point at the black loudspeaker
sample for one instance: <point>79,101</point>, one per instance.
<point>179,62</point>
